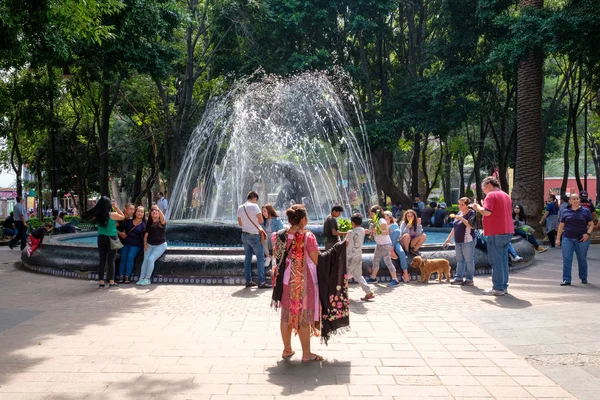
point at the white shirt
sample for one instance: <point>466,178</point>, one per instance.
<point>163,204</point>
<point>382,239</point>
<point>253,210</point>
<point>355,239</point>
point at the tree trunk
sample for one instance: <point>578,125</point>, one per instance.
<point>414,165</point>
<point>563,185</point>
<point>16,153</point>
<point>383,162</point>
<point>447,157</point>
<point>38,178</point>
<point>461,171</point>
<point>528,186</point>
<point>365,70</point>
<point>136,197</point>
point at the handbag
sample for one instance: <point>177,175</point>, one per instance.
<point>115,244</point>
<point>261,231</point>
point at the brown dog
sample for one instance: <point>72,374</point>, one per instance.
<point>428,267</point>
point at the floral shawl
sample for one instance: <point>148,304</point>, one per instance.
<point>333,292</point>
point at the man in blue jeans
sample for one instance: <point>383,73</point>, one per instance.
<point>249,218</point>
<point>498,227</point>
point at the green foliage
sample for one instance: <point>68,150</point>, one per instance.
<point>344,225</point>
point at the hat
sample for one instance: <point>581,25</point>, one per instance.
<point>442,205</point>
<point>583,193</point>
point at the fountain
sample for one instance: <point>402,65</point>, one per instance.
<point>289,139</point>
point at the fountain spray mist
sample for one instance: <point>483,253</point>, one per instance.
<point>289,139</point>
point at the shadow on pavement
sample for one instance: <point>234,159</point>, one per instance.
<point>306,378</point>
<point>57,310</point>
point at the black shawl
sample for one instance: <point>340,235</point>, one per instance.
<point>333,291</point>
<point>280,256</point>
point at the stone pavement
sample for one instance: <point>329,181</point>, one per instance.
<point>66,339</point>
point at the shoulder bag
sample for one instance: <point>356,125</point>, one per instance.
<point>261,231</point>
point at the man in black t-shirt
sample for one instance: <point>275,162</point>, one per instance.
<point>330,227</point>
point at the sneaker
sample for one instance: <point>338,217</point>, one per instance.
<point>518,258</point>
<point>264,285</point>
<point>139,281</point>
<point>457,282</point>
<point>371,280</point>
<point>467,283</point>
<point>393,283</point>
<point>120,279</point>
<point>565,283</point>
<point>250,283</point>
<point>10,246</point>
<point>493,292</point>
<point>145,282</point>
<point>541,249</point>
<point>415,253</point>
<point>584,281</point>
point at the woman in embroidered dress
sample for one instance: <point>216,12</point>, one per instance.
<point>299,302</point>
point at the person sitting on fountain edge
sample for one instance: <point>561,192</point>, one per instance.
<point>249,218</point>
<point>330,227</point>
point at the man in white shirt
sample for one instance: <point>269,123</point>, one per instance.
<point>163,205</point>
<point>249,218</point>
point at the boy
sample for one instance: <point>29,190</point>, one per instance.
<point>37,237</point>
<point>354,242</point>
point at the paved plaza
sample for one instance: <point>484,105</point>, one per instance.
<point>65,339</point>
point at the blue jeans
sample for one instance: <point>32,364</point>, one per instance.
<point>511,251</point>
<point>252,244</point>
<point>570,246</point>
<point>401,256</point>
<point>128,255</point>
<point>530,238</point>
<point>10,232</point>
<point>465,260</point>
<point>150,256</point>
<point>497,251</point>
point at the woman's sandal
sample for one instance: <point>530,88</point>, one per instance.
<point>313,358</point>
<point>287,354</point>
<point>101,285</point>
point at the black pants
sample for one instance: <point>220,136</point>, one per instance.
<point>106,255</point>
<point>552,238</point>
<point>21,235</point>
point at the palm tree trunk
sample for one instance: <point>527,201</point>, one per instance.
<point>528,185</point>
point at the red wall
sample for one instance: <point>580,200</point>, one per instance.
<point>553,184</point>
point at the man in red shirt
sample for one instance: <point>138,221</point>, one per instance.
<point>498,227</point>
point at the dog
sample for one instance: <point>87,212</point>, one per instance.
<point>428,267</point>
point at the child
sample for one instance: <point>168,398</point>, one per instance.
<point>354,242</point>
<point>37,237</point>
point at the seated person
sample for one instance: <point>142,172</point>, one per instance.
<point>524,230</point>
<point>440,216</point>
<point>427,214</point>
<point>37,237</point>
<point>62,226</point>
<point>411,233</point>
<point>8,226</point>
